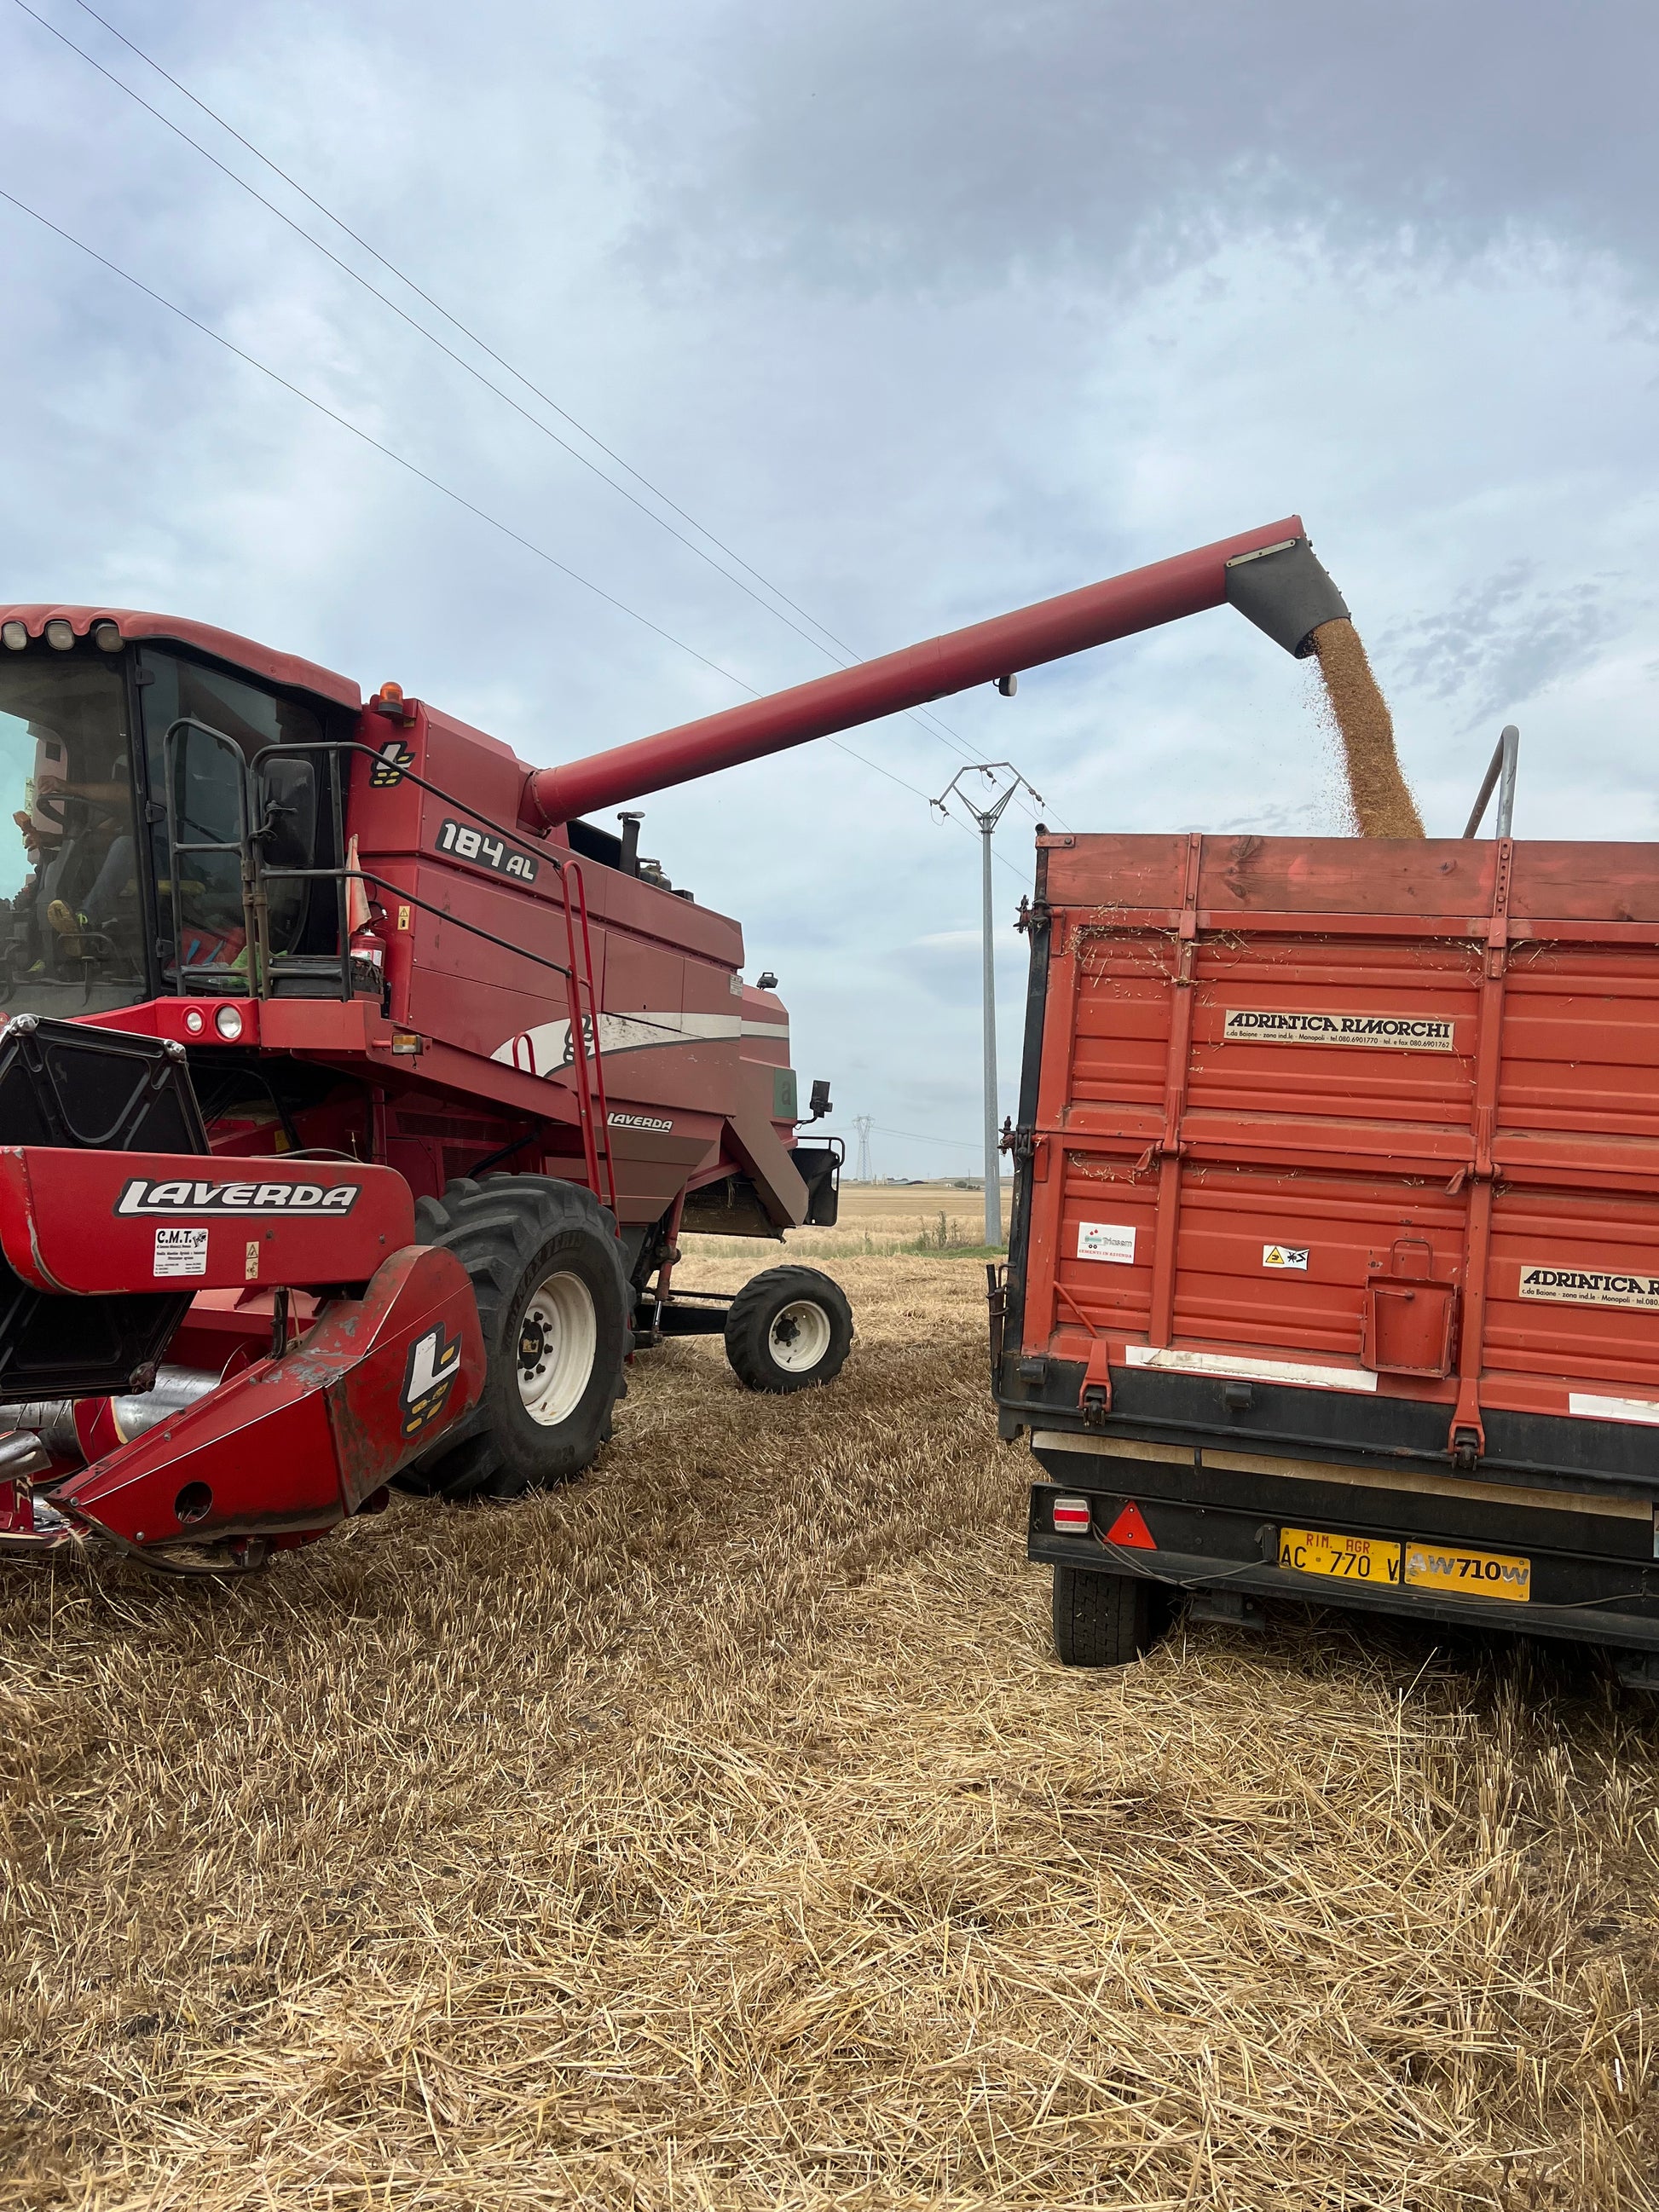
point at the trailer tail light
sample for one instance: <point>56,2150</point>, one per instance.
<point>229,1023</point>
<point>1071,1516</point>
<point>1129,1531</point>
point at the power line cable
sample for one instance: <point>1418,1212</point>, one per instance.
<point>455,322</point>
<point>915,1137</point>
<point>357,277</point>
<point>940,731</point>
<point>415,470</point>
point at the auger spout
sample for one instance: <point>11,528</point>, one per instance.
<point>1278,583</point>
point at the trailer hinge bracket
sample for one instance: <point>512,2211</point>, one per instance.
<point>1021,1142</point>
<point>1467,1446</point>
<point>1095,1398</point>
<point>1034,914</point>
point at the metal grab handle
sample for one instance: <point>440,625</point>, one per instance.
<point>1502,766</point>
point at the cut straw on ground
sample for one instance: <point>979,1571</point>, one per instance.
<point>721,1832</point>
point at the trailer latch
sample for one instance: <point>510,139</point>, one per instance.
<point>996,1300</point>
<point>1095,1398</point>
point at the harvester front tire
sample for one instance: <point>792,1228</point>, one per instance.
<point>790,1328</point>
<point>1106,1620</point>
<point>551,1286</point>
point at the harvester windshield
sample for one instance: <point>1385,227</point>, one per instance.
<point>71,916</point>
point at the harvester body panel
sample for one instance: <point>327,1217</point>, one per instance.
<point>454,1048</point>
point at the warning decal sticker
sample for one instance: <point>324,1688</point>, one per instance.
<point>1106,1240</point>
<point>1285,1255</point>
<point>1390,1032</point>
<point>1589,1286</point>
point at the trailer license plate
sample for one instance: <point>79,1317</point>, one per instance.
<point>1350,1558</point>
<point>1463,1573</point>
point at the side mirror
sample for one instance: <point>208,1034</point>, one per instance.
<point>819,1100</point>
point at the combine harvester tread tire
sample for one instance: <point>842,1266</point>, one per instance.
<point>548,1274</point>
<point>790,1328</point>
<point>1105,1620</point>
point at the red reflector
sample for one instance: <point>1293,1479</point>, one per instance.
<point>1072,1516</point>
<point>1130,1530</point>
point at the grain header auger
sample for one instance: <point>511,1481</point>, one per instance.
<point>356,1090</point>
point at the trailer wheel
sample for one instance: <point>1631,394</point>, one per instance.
<point>788,1329</point>
<point>1106,1620</point>
<point>547,1270</point>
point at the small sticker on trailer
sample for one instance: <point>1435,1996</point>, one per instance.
<point>1106,1240</point>
<point>1589,1286</point>
<point>1386,1032</point>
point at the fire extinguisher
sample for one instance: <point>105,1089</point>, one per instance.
<point>363,920</point>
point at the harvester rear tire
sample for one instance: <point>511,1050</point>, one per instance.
<point>1104,1620</point>
<point>790,1328</point>
<point>548,1275</point>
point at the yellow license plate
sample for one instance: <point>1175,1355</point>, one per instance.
<point>1459,1573</point>
<point>1350,1558</point>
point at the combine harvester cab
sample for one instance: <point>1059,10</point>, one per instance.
<point>1335,1271</point>
<point>364,950</point>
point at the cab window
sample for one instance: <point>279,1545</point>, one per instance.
<point>218,725</point>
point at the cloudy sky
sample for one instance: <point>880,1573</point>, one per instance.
<point>923,310</point>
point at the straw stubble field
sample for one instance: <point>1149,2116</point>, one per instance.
<point>721,1834</point>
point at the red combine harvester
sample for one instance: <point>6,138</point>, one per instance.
<point>355,1090</point>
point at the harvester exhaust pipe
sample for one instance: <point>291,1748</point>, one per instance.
<point>1284,590</point>
<point>1269,574</point>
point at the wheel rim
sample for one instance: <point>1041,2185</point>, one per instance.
<point>798,1336</point>
<point>558,1334</point>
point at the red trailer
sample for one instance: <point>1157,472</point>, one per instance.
<point>1334,1269</point>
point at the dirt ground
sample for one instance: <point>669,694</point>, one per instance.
<point>720,1832</point>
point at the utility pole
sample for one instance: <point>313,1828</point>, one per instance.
<point>985,820</point>
<point>861,1123</point>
